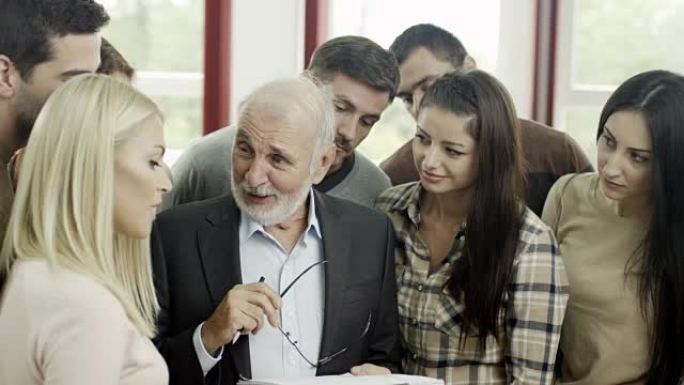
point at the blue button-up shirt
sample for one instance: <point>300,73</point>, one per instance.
<point>261,255</point>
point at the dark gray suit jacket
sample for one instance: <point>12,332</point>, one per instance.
<point>195,252</point>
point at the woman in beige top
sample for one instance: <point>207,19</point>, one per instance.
<point>77,303</point>
<point>621,234</point>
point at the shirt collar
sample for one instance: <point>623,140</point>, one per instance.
<point>409,201</point>
<point>249,226</point>
<point>313,218</point>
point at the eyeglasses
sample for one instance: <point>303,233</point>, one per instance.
<point>288,336</point>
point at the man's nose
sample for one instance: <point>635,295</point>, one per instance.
<point>417,98</point>
<point>346,128</point>
<point>256,174</point>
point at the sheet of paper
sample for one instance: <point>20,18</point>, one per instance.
<point>392,379</point>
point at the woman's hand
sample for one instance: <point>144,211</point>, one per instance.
<point>369,370</point>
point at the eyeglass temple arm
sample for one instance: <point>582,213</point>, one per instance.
<point>300,276</point>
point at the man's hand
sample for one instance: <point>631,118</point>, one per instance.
<point>369,370</point>
<point>242,309</point>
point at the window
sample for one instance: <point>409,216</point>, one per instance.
<point>479,26</point>
<point>164,41</point>
<point>601,44</point>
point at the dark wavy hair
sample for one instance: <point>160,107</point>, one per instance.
<point>483,273</point>
<point>26,27</point>
<point>659,97</point>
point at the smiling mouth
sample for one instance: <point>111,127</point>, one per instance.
<point>613,184</point>
<point>255,198</point>
<point>430,176</point>
<point>259,195</point>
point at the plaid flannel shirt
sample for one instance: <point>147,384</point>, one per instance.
<point>430,317</point>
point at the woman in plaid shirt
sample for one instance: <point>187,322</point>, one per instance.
<point>481,288</point>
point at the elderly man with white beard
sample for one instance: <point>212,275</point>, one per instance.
<point>276,279</point>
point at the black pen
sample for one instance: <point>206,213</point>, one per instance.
<point>239,332</point>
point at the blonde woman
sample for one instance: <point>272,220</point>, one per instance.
<point>78,305</point>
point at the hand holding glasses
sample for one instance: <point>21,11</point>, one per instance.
<point>241,331</point>
<point>243,308</point>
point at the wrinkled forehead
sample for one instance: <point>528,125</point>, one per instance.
<point>277,116</point>
<point>289,131</point>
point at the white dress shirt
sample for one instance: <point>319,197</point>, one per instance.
<point>261,255</point>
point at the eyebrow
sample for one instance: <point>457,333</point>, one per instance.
<point>343,99</point>
<point>444,141</point>
<point>280,151</point>
<point>422,81</point>
<point>606,129</point>
<point>371,116</point>
<point>242,135</point>
<point>403,94</point>
<point>348,103</point>
<point>275,149</point>
<point>421,130</point>
<point>72,73</point>
<point>412,88</point>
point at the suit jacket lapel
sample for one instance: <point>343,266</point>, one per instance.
<point>220,253</point>
<point>336,249</point>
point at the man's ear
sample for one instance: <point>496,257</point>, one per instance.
<point>326,160</point>
<point>469,63</point>
<point>8,86</point>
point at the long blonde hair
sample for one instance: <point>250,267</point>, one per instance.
<point>63,208</point>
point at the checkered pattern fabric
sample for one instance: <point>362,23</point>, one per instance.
<point>430,317</point>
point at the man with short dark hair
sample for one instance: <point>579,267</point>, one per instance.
<point>42,44</point>
<point>363,78</point>
<point>112,63</point>
<point>425,52</point>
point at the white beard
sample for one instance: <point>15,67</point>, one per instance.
<point>284,207</point>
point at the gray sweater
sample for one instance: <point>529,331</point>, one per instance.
<point>203,172</point>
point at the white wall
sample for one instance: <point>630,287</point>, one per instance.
<point>515,62</point>
<point>268,43</point>
<point>499,34</point>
